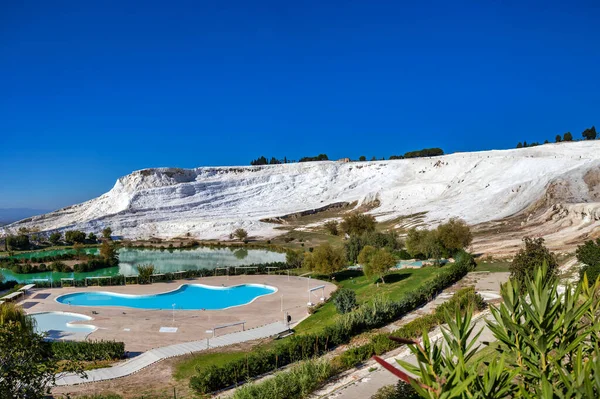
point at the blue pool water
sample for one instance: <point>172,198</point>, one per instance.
<point>186,297</point>
<point>52,322</point>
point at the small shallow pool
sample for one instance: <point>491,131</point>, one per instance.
<point>59,325</point>
<point>186,297</point>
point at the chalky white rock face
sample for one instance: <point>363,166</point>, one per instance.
<point>211,202</point>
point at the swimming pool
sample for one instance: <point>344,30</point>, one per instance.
<point>59,324</point>
<point>186,297</point>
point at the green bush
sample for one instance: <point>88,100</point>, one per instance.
<point>87,350</point>
<point>380,343</point>
<point>374,314</point>
<point>298,382</point>
<point>401,390</point>
<point>345,300</point>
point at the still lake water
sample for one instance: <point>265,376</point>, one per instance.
<point>165,261</point>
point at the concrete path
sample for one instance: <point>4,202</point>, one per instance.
<point>362,383</point>
<point>155,355</point>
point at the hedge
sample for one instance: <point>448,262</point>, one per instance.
<point>87,350</point>
<point>297,382</point>
<point>374,314</point>
<point>380,343</point>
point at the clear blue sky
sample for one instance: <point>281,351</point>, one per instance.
<point>91,92</point>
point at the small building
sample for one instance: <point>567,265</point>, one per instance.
<point>344,160</point>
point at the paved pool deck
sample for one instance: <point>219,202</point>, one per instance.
<point>139,328</point>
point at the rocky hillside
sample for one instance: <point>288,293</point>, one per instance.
<point>557,184</point>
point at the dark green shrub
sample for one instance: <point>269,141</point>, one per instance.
<point>345,300</point>
<point>401,390</point>
<point>87,350</point>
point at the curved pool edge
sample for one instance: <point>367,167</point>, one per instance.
<point>92,327</point>
<point>212,287</point>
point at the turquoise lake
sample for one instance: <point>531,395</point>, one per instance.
<point>164,262</point>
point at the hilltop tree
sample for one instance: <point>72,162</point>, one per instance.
<point>358,223</point>
<point>568,136</point>
<point>558,138</point>
<point>590,133</point>
<point>325,259</point>
<point>107,233</point>
<point>531,256</point>
<point>362,158</point>
<point>519,145</point>
<point>240,234</point>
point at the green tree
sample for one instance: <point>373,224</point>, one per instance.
<point>145,273</point>
<point>27,367</point>
<point>454,235</point>
<point>72,236</point>
<point>376,262</point>
<point>92,237</point>
<point>415,240</point>
<point>325,259</point>
<point>590,133</point>
<point>19,242</point>
<point>558,138</point>
<point>568,136</point>
<point>519,145</point>
<point>532,255</point>
<point>357,223</point>
<point>362,158</point>
<point>240,234</point>
<point>345,300</point>
<point>78,248</point>
<point>107,233</point>
<point>55,238</point>
<point>589,255</point>
<point>332,227</point>
<point>108,251</point>
<point>365,255</point>
<point>294,258</point>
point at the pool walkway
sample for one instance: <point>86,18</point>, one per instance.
<point>156,355</point>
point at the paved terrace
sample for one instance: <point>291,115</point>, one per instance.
<point>139,328</point>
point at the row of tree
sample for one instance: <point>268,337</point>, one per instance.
<point>274,161</point>
<point>587,134</point>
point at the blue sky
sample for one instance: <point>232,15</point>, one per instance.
<point>91,92</point>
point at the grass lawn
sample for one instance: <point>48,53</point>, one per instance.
<point>186,368</point>
<point>397,284</point>
<point>493,266</point>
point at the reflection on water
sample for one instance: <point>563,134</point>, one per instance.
<point>165,261</point>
